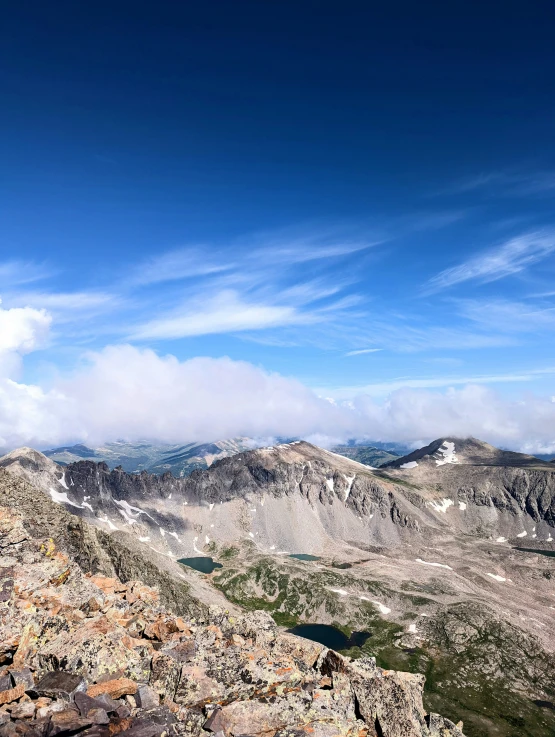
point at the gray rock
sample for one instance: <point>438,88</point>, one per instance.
<point>147,698</point>
<point>85,703</point>
<point>59,684</point>
<point>23,676</point>
<point>98,716</point>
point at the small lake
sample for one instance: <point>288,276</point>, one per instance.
<point>329,636</point>
<point>549,553</point>
<point>304,556</point>
<point>202,564</point>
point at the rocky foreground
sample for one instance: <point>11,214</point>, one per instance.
<point>86,654</point>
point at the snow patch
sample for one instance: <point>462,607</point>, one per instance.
<point>162,532</point>
<point>442,506</point>
<point>329,484</point>
<point>127,518</point>
<point>437,565</point>
<point>382,607</point>
<point>501,540</point>
<point>349,480</point>
<point>144,539</point>
<point>462,506</point>
<point>129,508</point>
<point>109,522</point>
<point>87,505</point>
<point>62,481</point>
<point>409,464</point>
<point>522,534</point>
<point>62,498</point>
<point>341,592</point>
<point>211,506</point>
<point>447,450</point>
<point>412,628</point>
<point>496,577</point>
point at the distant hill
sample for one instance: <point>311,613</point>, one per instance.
<point>367,454</point>
<point>180,460</point>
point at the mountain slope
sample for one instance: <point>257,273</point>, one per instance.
<point>416,556</point>
<point>180,460</point>
<point>86,654</point>
<point>367,454</point>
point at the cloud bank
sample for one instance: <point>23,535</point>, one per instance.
<point>123,392</point>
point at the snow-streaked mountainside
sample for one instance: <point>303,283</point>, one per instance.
<point>427,552</point>
<point>277,495</point>
<point>467,451</point>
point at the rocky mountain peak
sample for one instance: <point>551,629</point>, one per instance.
<point>31,465</point>
<point>448,451</point>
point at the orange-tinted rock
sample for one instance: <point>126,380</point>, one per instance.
<point>116,688</point>
<point>12,694</point>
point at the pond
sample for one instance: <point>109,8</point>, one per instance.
<point>202,564</point>
<point>549,553</point>
<point>330,636</point>
<point>304,556</point>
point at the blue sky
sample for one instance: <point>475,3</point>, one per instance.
<point>354,197</point>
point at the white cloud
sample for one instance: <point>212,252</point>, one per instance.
<point>302,250</point>
<point>125,392</point>
<point>509,183</point>
<point>14,272</point>
<point>384,388</point>
<point>66,306</point>
<point>183,263</point>
<point>130,393</point>
<point>511,258</point>
<point>362,351</point>
<point>416,416</point>
<point>22,330</point>
<point>224,313</point>
<point>509,316</point>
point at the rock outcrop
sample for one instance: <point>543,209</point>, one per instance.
<point>85,653</point>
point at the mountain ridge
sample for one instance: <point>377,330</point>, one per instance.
<point>424,558</point>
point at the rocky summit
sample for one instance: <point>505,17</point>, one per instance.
<point>84,653</point>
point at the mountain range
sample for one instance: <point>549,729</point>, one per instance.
<point>442,558</point>
<point>181,460</point>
